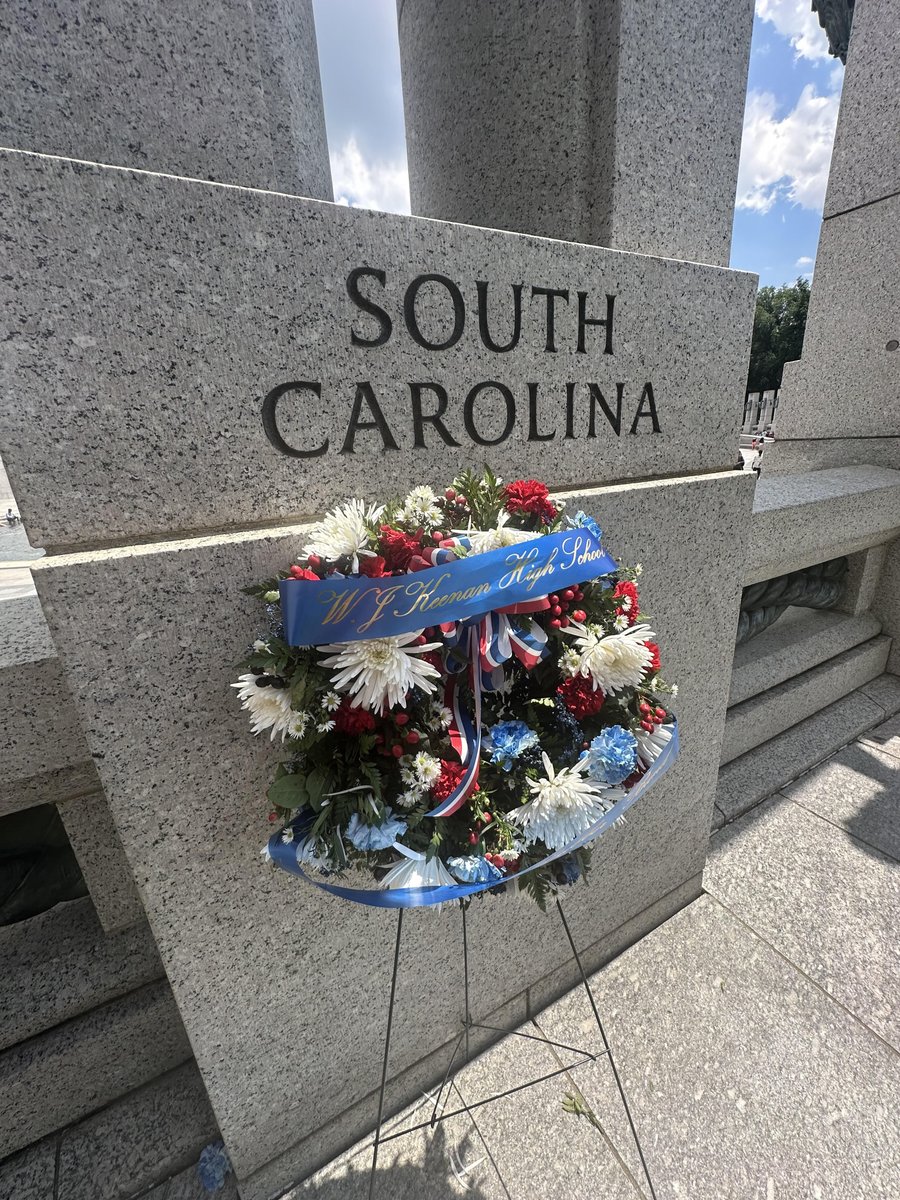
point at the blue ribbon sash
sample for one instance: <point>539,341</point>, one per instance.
<point>349,609</point>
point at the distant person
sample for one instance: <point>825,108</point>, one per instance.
<point>756,465</point>
<point>739,465</point>
<point>11,517</point>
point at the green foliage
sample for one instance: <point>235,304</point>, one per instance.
<point>778,327</point>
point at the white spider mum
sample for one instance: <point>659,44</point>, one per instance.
<point>427,769</point>
<point>344,531</point>
<point>481,541</point>
<point>651,745</point>
<point>269,708</point>
<point>381,671</point>
<point>564,805</point>
<point>421,508</point>
<point>614,662</point>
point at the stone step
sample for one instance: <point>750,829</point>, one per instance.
<point>60,964</point>
<point>82,1065</point>
<point>747,780</point>
<point>768,714</point>
<point>149,1138</point>
<point>800,639</point>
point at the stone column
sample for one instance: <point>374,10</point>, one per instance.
<point>226,90</point>
<point>617,124</point>
<point>839,401</point>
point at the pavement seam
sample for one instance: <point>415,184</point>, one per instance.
<point>455,1086</point>
<point>835,825</point>
<point>799,970</point>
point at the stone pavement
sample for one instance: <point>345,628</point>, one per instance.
<point>757,1032</point>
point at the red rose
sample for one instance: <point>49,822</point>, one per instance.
<point>627,591</point>
<point>451,777</point>
<point>654,661</point>
<point>530,496</point>
<point>302,573</point>
<point>352,720</point>
<point>372,565</point>
<point>579,697</point>
<point>397,547</point>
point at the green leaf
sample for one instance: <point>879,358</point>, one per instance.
<point>318,782</point>
<point>288,792</point>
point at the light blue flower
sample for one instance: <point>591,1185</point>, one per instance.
<point>473,869</point>
<point>582,521</point>
<point>569,869</point>
<point>213,1166</point>
<point>612,755</point>
<point>375,837</point>
<point>508,740</point>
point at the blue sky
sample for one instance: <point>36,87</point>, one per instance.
<point>792,102</point>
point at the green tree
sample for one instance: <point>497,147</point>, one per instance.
<point>778,327</point>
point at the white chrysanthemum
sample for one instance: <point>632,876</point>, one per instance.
<point>484,540</point>
<point>563,807</point>
<point>410,798</point>
<point>620,623</point>
<point>439,718</point>
<point>651,745</point>
<point>570,662</point>
<point>325,726</point>
<point>331,702</point>
<point>269,708</point>
<point>427,768</point>
<point>296,727</point>
<point>344,531</point>
<point>616,662</point>
<point>381,671</point>
<point>420,508</point>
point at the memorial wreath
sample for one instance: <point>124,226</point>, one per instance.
<point>466,693</point>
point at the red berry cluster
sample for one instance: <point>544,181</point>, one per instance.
<point>560,603</point>
<point>650,716</point>
<point>457,506</point>
<point>396,739</point>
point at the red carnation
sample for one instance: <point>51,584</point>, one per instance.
<point>626,590</point>
<point>654,660</point>
<point>373,566</point>
<point>352,720</point>
<point>302,573</point>
<point>530,496</point>
<point>397,547</point>
<point>451,777</point>
<point>579,697</point>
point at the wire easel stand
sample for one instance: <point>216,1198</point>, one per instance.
<point>440,1114</point>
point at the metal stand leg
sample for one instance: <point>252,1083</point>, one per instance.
<point>387,1048</point>
<point>608,1049</point>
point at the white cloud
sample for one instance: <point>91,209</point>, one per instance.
<point>795,20</point>
<point>786,158</point>
<point>805,261</point>
<point>363,184</point>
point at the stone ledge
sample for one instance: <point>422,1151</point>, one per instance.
<point>810,517</point>
<point>801,639</point>
<point>747,780</point>
<point>768,714</point>
<point>60,964</point>
<point>80,1066</point>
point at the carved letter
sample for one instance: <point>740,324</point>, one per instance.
<point>409,312</point>
<point>364,392</point>
<point>646,394</point>
<point>368,306</point>
<point>533,435</point>
<point>419,418</point>
<point>482,288</point>
<point>583,320</point>
<point>270,419</point>
<point>469,406</point>
<point>570,410</point>
<point>597,397</point>
<point>551,294</point>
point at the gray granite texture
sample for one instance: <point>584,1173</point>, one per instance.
<point>885,737</point>
<point>800,639</point>
<point>746,780</point>
<point>790,457</point>
<point>24,636</point>
<point>207,298</point>
<point>858,790</point>
<point>886,602</point>
<point>808,518</point>
<point>144,1137</point>
<point>92,835</point>
<point>744,1078</point>
<point>602,102</point>
<point>766,715</point>
<point>865,161</point>
<point>846,383</point>
<point>61,963</point>
<point>840,926</point>
<point>29,1175</point>
<point>226,90</point>
<point>249,950</point>
<point>885,691</point>
<point>64,1074</point>
<point>861,584</point>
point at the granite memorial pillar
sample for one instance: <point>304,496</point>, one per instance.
<point>216,89</point>
<point>611,122</point>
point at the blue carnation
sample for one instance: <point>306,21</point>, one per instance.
<point>569,869</point>
<point>213,1166</point>
<point>375,837</point>
<point>473,868</point>
<point>509,739</point>
<point>582,521</point>
<point>612,755</point>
